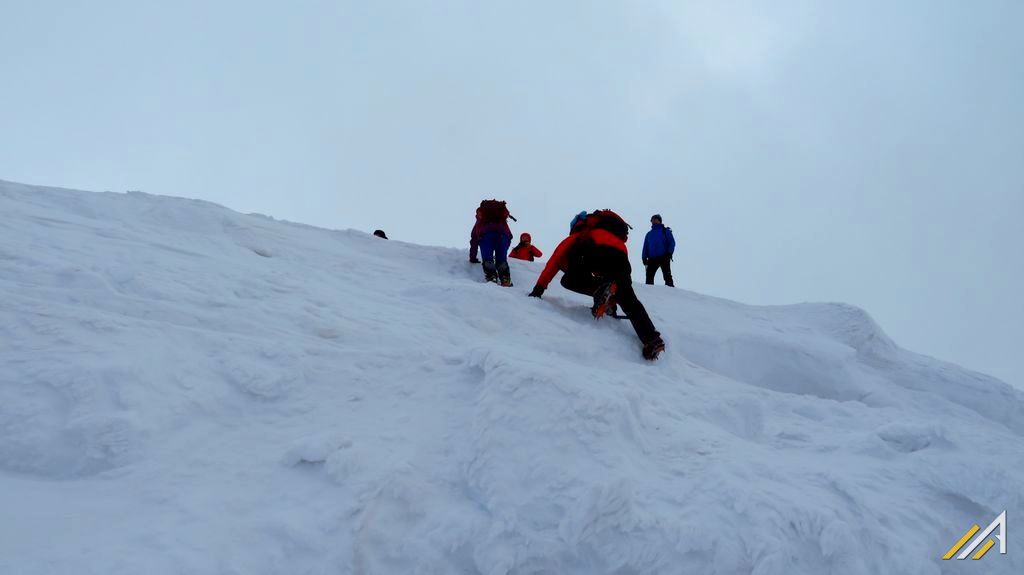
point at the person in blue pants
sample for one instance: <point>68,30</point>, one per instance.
<point>492,236</point>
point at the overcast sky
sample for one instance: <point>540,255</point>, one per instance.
<point>870,152</point>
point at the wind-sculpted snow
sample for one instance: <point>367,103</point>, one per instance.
<point>186,389</point>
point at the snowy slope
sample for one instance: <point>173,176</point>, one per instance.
<point>185,389</point>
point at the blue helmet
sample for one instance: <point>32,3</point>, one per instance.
<point>577,219</point>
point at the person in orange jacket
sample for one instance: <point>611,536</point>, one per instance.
<point>525,250</point>
<point>595,262</point>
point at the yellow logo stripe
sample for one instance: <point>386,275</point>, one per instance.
<point>984,549</point>
<point>956,546</point>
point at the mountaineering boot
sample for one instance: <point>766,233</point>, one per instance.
<point>603,298</point>
<point>490,272</point>
<point>504,275</point>
<point>653,347</point>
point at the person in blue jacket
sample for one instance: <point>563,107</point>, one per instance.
<point>659,245</point>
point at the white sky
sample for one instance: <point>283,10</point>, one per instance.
<point>861,151</point>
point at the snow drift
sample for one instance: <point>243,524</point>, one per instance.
<point>186,389</point>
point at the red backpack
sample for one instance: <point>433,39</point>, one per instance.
<point>493,212</point>
<point>610,221</point>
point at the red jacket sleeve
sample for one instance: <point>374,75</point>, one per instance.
<point>536,253</point>
<point>558,262</point>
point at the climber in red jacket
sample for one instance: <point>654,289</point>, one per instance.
<point>595,262</point>
<point>525,250</point>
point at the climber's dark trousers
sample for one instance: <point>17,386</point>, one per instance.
<point>612,268</point>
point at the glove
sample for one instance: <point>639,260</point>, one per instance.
<point>646,262</point>
<point>473,260</point>
<point>537,291</point>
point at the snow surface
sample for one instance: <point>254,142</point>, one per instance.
<point>186,389</point>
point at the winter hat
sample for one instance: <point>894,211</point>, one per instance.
<point>380,234</point>
<point>525,237</point>
<point>656,217</point>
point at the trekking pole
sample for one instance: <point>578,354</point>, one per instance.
<point>513,218</point>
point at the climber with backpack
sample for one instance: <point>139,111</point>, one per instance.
<point>659,245</point>
<point>525,250</point>
<point>492,237</point>
<point>595,263</point>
